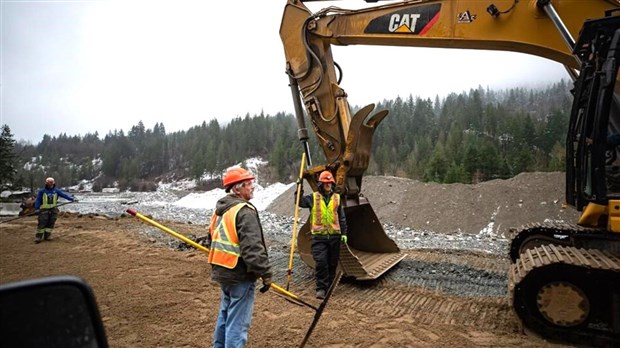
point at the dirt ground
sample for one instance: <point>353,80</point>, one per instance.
<point>151,295</point>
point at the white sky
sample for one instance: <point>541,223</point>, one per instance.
<point>84,66</point>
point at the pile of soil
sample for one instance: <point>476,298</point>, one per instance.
<point>151,295</point>
<point>449,208</point>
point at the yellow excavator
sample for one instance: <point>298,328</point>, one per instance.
<point>564,280</point>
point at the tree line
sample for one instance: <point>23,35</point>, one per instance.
<point>464,137</point>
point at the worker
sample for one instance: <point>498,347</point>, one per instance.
<point>238,257</point>
<point>46,206</point>
<point>328,228</point>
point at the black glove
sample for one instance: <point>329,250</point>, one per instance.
<point>75,200</point>
<point>36,212</point>
<point>266,284</point>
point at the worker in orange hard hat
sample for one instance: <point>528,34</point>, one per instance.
<point>238,257</point>
<point>46,207</point>
<point>328,228</point>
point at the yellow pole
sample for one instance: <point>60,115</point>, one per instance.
<point>300,184</point>
<point>206,250</point>
<point>169,231</point>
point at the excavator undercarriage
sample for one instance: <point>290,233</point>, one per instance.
<point>564,293</point>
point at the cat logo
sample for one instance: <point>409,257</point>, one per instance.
<point>413,20</point>
<point>403,23</point>
<point>466,17</point>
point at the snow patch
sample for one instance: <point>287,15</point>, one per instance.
<point>262,197</point>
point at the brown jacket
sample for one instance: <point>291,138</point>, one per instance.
<point>254,260</point>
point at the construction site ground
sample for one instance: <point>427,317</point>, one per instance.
<point>152,295</point>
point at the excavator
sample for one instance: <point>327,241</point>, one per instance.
<point>564,278</point>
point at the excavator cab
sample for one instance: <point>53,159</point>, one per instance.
<point>593,137</point>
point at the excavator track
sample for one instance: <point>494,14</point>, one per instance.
<point>566,294</point>
<point>564,234</point>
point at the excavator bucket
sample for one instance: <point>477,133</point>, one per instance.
<point>369,252</point>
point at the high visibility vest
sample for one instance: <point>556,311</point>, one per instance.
<point>46,204</point>
<point>225,248</point>
<point>325,216</point>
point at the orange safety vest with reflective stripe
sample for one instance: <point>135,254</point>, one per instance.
<point>325,216</point>
<point>225,248</point>
<point>45,204</point>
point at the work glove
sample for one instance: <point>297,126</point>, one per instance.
<point>76,200</point>
<point>343,238</point>
<point>36,212</point>
<point>266,284</point>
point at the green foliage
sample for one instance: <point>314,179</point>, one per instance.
<point>467,137</point>
<point>7,158</point>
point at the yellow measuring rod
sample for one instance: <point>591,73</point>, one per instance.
<point>206,250</point>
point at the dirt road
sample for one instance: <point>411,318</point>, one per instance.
<point>153,296</point>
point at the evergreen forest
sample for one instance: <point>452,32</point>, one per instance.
<point>465,137</point>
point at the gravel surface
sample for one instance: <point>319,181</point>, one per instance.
<point>414,214</point>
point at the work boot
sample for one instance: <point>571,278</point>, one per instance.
<point>38,238</point>
<point>48,236</point>
<point>320,294</point>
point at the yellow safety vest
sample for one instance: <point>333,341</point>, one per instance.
<point>325,216</point>
<point>225,248</point>
<point>48,205</point>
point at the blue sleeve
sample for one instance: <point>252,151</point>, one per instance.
<point>306,201</point>
<point>64,195</point>
<point>613,140</point>
<point>39,200</point>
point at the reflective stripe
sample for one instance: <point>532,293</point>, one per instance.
<point>325,216</point>
<point>225,248</point>
<point>47,205</point>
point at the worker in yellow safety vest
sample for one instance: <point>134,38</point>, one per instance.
<point>46,207</point>
<point>328,228</point>
<point>238,256</point>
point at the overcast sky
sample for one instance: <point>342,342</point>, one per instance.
<point>84,66</point>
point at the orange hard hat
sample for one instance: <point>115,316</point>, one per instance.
<point>326,176</point>
<point>236,175</point>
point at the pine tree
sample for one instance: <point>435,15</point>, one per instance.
<point>7,158</point>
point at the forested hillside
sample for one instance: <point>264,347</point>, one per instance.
<point>467,137</point>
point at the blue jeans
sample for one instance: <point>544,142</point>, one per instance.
<point>233,322</point>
